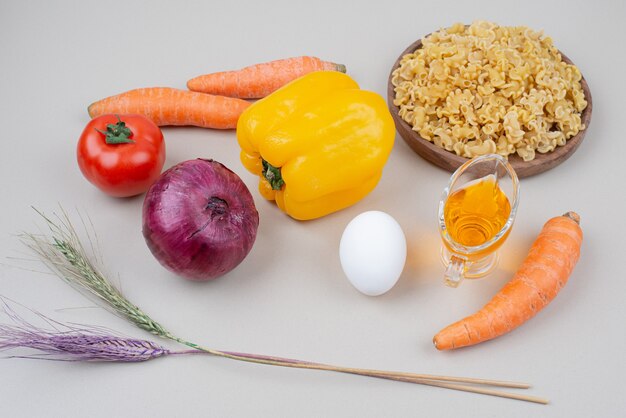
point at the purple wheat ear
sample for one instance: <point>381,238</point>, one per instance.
<point>65,255</point>
<point>73,343</point>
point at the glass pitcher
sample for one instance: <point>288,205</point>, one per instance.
<point>476,213</point>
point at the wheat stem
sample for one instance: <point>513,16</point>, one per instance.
<point>64,254</point>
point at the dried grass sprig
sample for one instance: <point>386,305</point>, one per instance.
<point>65,255</point>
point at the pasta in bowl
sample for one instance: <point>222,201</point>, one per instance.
<point>472,90</point>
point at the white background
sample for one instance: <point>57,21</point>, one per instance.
<point>289,297</point>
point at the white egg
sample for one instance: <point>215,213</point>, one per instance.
<point>372,252</point>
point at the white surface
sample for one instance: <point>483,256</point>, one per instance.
<point>289,297</point>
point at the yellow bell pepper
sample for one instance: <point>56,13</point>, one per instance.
<point>318,144</point>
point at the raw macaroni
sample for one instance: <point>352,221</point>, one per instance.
<point>490,89</point>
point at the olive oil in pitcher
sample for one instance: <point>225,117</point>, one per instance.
<point>477,212</point>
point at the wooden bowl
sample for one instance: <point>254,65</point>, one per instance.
<point>450,161</point>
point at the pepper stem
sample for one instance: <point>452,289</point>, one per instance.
<point>117,133</point>
<point>272,175</point>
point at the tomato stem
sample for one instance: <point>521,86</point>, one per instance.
<point>117,133</point>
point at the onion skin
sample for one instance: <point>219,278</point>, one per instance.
<point>199,219</point>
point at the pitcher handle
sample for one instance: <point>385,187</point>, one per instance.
<point>454,272</point>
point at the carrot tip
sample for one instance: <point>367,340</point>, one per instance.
<point>341,68</point>
<point>435,343</point>
<point>573,216</point>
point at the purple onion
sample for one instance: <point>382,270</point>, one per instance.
<point>199,219</point>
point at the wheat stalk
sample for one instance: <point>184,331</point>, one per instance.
<point>65,255</point>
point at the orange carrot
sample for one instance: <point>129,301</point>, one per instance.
<point>543,273</point>
<point>168,106</point>
<point>257,81</point>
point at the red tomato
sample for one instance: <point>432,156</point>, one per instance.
<point>121,155</point>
